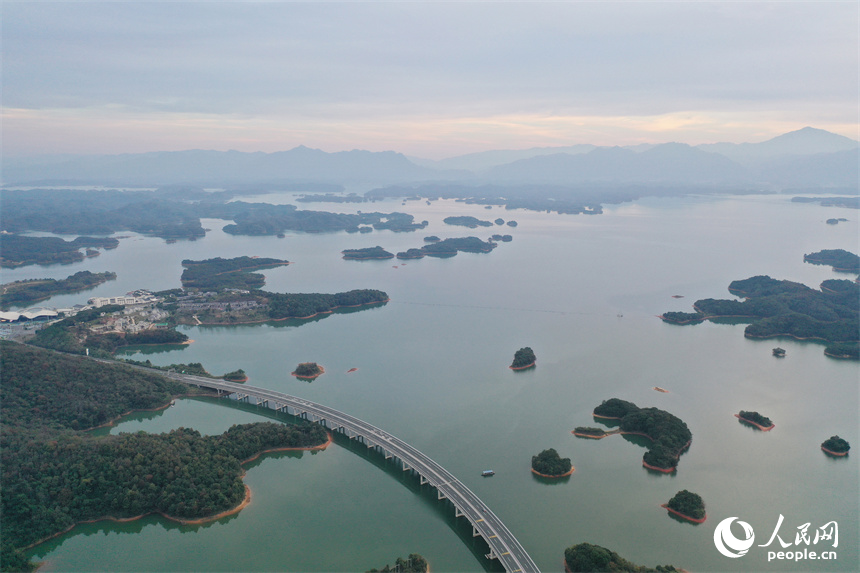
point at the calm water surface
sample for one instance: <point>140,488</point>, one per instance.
<point>583,292</point>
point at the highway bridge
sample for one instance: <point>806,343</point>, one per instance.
<point>503,545</point>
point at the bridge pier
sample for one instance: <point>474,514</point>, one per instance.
<point>457,512</point>
<point>476,533</point>
<point>264,402</point>
<point>440,495</point>
<point>423,479</point>
<point>242,397</point>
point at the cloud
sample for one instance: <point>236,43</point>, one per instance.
<point>370,67</point>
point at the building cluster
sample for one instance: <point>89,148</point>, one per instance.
<point>222,306</point>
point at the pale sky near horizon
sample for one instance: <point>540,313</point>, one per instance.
<point>426,79</point>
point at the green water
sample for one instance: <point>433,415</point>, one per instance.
<point>583,292</point>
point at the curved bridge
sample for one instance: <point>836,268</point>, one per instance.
<point>503,545</point>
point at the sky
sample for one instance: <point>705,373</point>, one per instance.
<point>428,79</point>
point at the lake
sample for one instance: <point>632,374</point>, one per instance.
<point>584,293</point>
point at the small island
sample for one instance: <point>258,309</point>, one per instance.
<point>431,239</point>
<point>589,432</point>
<point>499,221</point>
<point>687,505</point>
<point>835,446</point>
<point>366,254</point>
<point>670,437</point>
<point>236,376</point>
<point>219,273</point>
<point>550,465</point>
<point>763,423</point>
<point>586,557</point>
<point>308,371</point>
<point>523,358</point>
<point>466,221</point>
<point>779,352</point>
<point>411,254</point>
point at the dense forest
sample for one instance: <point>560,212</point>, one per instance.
<point>22,250</point>
<point>755,418</point>
<point>549,463</point>
<point>366,253</point>
<point>786,308</point>
<point>54,475</point>
<point>466,221</point>
<point>840,259</point>
<point>303,305</point>
<point>413,564</point>
<point>450,247</point>
<point>74,335</point>
<point>587,557</point>
<point>688,503</point>
<point>308,370</point>
<point>24,293</point>
<point>218,273</point>
<point>175,213</point>
<point>669,436</point>
<point>836,445</point>
<point>523,358</point>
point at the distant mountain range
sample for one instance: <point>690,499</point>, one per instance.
<point>808,158</point>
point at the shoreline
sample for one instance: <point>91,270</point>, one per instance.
<point>759,426</point>
<point>661,470</point>
<point>832,453</point>
<point>246,501</point>
<point>330,311</point>
<point>687,517</point>
<point>113,421</point>
<point>523,367</point>
<point>537,473</point>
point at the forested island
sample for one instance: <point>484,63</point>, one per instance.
<point>218,273</point>
<point>589,432</point>
<point>175,213</point>
<point>366,254</point>
<point>836,446</point>
<point>23,250</point>
<point>523,358</point>
<point>669,436</point>
<point>840,259</point>
<point>415,563</point>
<point>785,308</point>
<point>308,371</point>
<point>466,221</point>
<point>25,293</point>
<point>687,505</point>
<point>586,557</point>
<point>761,422</point>
<point>55,475</point>
<point>549,464</point>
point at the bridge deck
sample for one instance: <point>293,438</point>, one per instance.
<point>503,545</point>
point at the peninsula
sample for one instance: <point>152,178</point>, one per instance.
<point>23,293</point>
<point>181,474</point>
<point>586,557</point>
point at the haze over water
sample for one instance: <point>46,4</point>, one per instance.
<point>583,292</point>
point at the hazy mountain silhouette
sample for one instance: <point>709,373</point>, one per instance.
<point>807,157</point>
